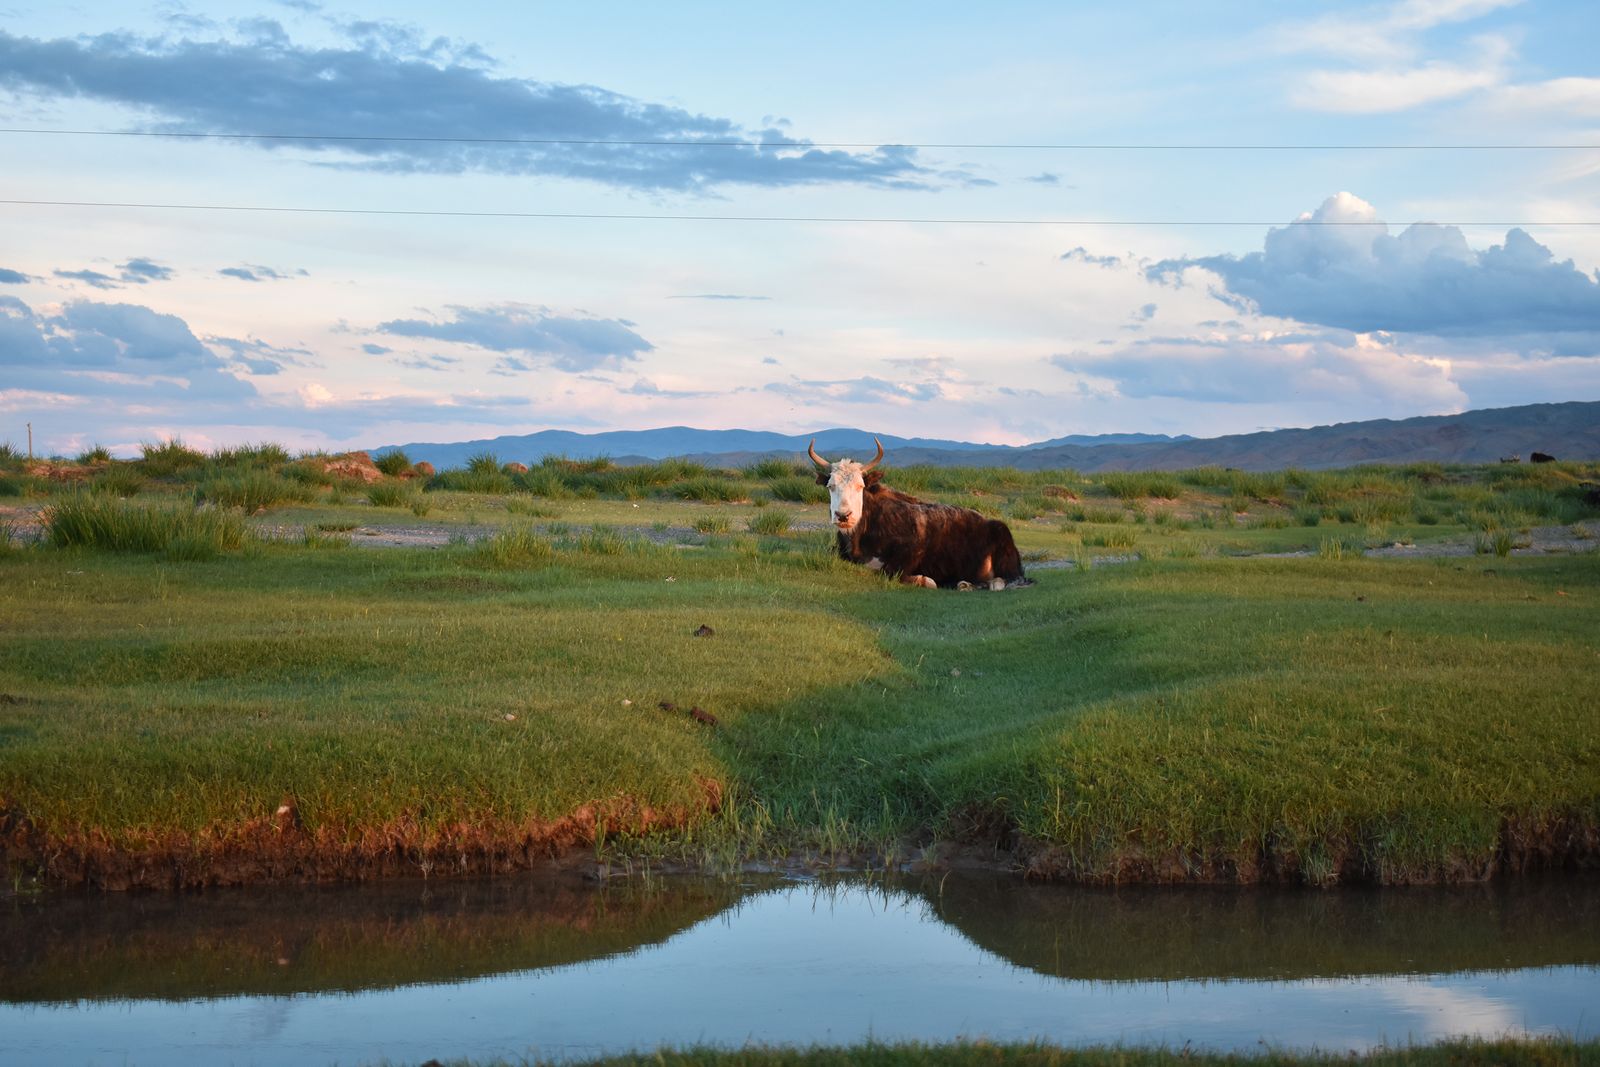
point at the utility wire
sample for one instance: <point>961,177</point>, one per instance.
<point>443,213</point>
<point>683,143</point>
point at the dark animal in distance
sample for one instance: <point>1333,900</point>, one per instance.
<point>1541,457</point>
<point>922,542</point>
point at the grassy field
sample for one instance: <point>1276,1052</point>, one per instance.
<point>1504,1053</point>
<point>174,685</point>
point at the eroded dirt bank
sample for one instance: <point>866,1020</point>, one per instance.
<point>280,851</point>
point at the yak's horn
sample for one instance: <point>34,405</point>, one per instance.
<point>811,450</point>
<point>876,459</point>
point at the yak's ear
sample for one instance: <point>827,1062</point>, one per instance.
<point>822,477</point>
<point>873,478</point>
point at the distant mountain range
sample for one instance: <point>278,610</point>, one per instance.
<point>1566,431</point>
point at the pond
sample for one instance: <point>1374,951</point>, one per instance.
<point>562,970</point>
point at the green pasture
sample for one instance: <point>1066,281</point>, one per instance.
<point>1182,714</point>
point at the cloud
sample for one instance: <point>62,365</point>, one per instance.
<point>1385,32</point>
<point>123,350</point>
<point>250,272</point>
<point>376,350</point>
<point>716,296</point>
<point>1402,88</point>
<point>864,390</point>
<point>569,343</point>
<point>1083,255</point>
<point>1045,178</point>
<point>140,271</point>
<point>137,271</point>
<point>387,81</point>
<point>1339,266</point>
<point>1266,368</point>
<point>89,277</point>
<point>12,277</point>
<point>259,357</point>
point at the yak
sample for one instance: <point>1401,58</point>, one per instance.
<point>921,542</point>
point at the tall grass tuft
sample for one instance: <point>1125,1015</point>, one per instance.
<point>265,454</point>
<point>496,481</point>
<point>513,547</point>
<point>710,489</point>
<point>119,479</point>
<point>1131,485</point>
<point>184,532</point>
<point>1338,548</point>
<point>770,523</point>
<point>767,469</point>
<point>169,458</point>
<point>254,490</point>
<point>393,463</point>
<point>798,490</point>
<point>95,454</point>
<point>483,463</point>
<point>389,495</point>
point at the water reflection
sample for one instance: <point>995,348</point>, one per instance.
<point>515,970</point>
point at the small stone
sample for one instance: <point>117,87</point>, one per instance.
<point>627,703</point>
<point>510,717</point>
<point>955,672</point>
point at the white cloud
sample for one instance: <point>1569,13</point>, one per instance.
<point>1400,88</point>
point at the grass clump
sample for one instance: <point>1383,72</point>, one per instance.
<point>769,523</point>
<point>518,547</point>
<point>185,532</point>
<point>118,479</point>
<point>713,524</point>
<point>393,463</point>
<point>253,491</point>
<point>798,490</point>
<point>169,458</point>
<point>95,454</point>
<point>1132,485</point>
<point>710,490</point>
<point>390,495</point>
<point>769,469</point>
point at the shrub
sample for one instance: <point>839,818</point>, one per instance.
<point>421,505</point>
<point>1340,548</point>
<point>253,491</point>
<point>770,523</point>
<point>169,458</point>
<point>1305,516</point>
<point>95,454</point>
<point>712,524</point>
<point>1098,515</point>
<point>185,532</point>
<point>393,463</point>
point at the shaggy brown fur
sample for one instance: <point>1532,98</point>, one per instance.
<point>917,537</point>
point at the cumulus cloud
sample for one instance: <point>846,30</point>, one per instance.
<point>568,342</point>
<point>251,272</point>
<point>388,82</point>
<point>126,350</point>
<point>12,277</point>
<point>1340,266</point>
<point>1267,368</point>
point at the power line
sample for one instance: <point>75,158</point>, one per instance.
<point>627,217</point>
<point>685,143</point>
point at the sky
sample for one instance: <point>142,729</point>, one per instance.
<point>1003,223</point>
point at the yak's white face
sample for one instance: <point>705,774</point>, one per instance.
<point>846,483</point>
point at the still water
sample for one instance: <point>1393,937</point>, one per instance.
<point>520,968</point>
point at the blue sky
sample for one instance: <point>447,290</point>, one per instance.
<point>1324,303</point>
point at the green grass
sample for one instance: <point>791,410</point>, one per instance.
<point>99,522</point>
<point>391,495</point>
<point>1189,715</point>
<point>1503,1052</point>
<point>253,491</point>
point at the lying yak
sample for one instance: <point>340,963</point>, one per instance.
<point>922,542</point>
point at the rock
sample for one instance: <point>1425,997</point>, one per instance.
<point>423,469</point>
<point>354,465</point>
<point>516,468</point>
